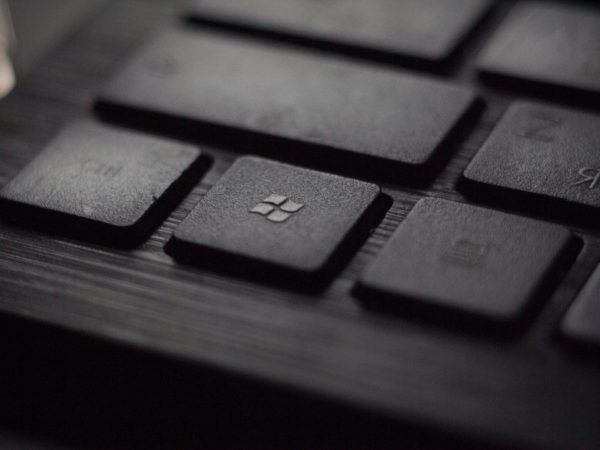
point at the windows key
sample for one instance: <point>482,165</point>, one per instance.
<point>269,218</point>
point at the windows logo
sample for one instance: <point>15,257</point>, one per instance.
<point>277,208</point>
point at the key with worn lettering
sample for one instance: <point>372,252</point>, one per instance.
<point>265,218</point>
<point>429,30</point>
<point>556,44</point>
<point>101,183</point>
<point>467,261</point>
<point>543,152</point>
<point>346,110</point>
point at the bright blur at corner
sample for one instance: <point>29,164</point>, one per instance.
<point>7,45</point>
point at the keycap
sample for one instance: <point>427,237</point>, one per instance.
<point>294,96</point>
<point>543,151</point>
<point>470,261</point>
<point>425,29</point>
<point>582,322</point>
<point>101,181</point>
<point>549,43</point>
<point>263,215</point>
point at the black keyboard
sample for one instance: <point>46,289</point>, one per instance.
<point>379,215</point>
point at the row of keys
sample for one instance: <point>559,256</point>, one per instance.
<point>346,110</point>
<point>276,216</point>
<point>541,42</point>
<point>351,110</point>
<point>295,222</point>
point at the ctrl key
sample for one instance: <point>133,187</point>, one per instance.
<point>459,261</point>
<point>102,184</point>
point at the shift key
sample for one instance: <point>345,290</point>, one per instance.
<point>341,107</point>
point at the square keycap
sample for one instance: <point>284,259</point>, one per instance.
<point>275,215</point>
<point>466,259</point>
<point>549,43</point>
<point>424,29</point>
<point>543,150</point>
<point>100,178</point>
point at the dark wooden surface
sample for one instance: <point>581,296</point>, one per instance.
<point>138,325</point>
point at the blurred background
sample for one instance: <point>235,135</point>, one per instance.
<point>38,26</point>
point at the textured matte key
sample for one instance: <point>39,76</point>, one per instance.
<point>425,29</point>
<point>100,179</point>
<point>542,150</point>
<point>582,322</point>
<point>278,92</point>
<point>466,259</point>
<point>550,43</point>
<point>273,214</point>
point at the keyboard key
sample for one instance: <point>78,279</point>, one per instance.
<point>430,30</point>
<point>207,78</point>
<point>582,322</point>
<point>274,216</point>
<point>549,43</point>
<point>104,182</point>
<point>466,260</point>
<point>543,150</point>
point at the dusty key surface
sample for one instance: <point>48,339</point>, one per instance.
<point>548,43</point>
<point>582,322</point>
<point>100,179</point>
<point>543,150</point>
<point>210,78</point>
<point>425,29</point>
<point>272,214</point>
<point>465,259</point>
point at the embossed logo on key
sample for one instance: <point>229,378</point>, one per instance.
<point>466,253</point>
<point>277,208</point>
